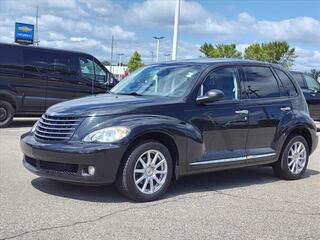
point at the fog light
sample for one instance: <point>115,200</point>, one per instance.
<point>91,170</point>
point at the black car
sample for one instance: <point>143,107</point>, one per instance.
<point>173,119</point>
<point>33,78</point>
<point>311,90</point>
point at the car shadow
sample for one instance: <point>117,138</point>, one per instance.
<point>197,183</point>
<point>21,123</point>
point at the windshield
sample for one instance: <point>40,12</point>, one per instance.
<point>312,83</point>
<point>159,80</point>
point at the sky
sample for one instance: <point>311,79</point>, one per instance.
<point>87,25</point>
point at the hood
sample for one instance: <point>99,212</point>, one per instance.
<point>107,104</point>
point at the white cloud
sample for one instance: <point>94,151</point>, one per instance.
<point>307,59</point>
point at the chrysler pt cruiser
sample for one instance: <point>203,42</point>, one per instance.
<point>174,119</point>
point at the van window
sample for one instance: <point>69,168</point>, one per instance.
<point>87,68</point>
<point>261,83</point>
<point>224,79</point>
<point>11,57</point>
<point>35,61</point>
<point>312,84</point>
<point>101,76</point>
<point>288,86</point>
<point>60,64</point>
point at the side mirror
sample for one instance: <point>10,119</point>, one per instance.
<point>211,96</point>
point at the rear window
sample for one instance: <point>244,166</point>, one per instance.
<point>299,79</point>
<point>261,83</point>
<point>289,88</point>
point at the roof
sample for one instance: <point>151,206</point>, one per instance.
<point>35,47</point>
<point>211,61</point>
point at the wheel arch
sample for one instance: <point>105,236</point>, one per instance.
<point>10,98</point>
<point>160,136</point>
<point>302,131</point>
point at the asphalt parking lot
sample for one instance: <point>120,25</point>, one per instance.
<point>239,204</point>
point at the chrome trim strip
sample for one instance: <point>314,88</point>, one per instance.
<point>261,155</point>
<point>232,159</point>
<point>219,161</point>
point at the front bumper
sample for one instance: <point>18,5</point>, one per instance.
<point>70,161</point>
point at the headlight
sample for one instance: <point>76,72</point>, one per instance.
<point>107,135</point>
<point>33,129</point>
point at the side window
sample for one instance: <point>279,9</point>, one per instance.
<point>87,68</point>
<point>224,79</point>
<point>35,61</point>
<point>298,77</point>
<point>261,83</point>
<point>312,84</point>
<point>101,76</point>
<point>289,88</point>
<point>59,64</point>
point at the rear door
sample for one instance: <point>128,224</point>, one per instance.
<point>62,78</point>
<point>267,109</point>
<point>33,86</point>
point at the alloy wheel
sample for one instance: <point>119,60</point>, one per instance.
<point>150,171</point>
<point>297,157</point>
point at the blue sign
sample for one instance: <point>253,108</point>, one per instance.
<point>24,33</point>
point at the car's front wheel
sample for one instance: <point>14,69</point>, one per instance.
<point>294,160</point>
<point>6,114</point>
<point>147,172</point>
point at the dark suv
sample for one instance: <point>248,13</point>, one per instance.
<point>311,90</point>
<point>32,79</point>
<point>179,118</point>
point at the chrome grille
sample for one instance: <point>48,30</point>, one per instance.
<point>54,128</point>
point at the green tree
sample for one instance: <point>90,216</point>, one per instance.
<point>278,52</point>
<point>315,73</point>
<point>220,50</point>
<point>106,63</point>
<point>135,62</point>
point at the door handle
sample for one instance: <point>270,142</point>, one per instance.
<point>242,112</point>
<point>285,109</point>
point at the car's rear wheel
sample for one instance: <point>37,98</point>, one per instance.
<point>147,172</point>
<point>294,160</point>
<point>6,114</point>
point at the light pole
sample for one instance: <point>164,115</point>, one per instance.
<point>158,44</point>
<point>167,55</point>
<point>120,56</point>
<point>175,30</point>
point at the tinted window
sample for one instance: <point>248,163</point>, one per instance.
<point>312,84</point>
<point>10,57</point>
<point>60,64</point>
<point>87,68</point>
<point>299,79</point>
<point>226,80</point>
<point>35,61</point>
<point>289,88</point>
<point>261,83</point>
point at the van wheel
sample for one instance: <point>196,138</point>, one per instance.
<point>6,114</point>
<point>147,172</point>
<point>294,160</point>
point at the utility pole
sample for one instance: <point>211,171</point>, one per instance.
<point>175,30</point>
<point>158,44</point>
<point>167,55</point>
<point>37,26</point>
<point>111,57</point>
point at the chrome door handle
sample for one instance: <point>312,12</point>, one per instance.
<point>285,109</point>
<point>243,112</point>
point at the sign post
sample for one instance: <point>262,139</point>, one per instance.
<point>24,33</point>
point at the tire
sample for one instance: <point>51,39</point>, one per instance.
<point>288,167</point>
<point>6,114</point>
<point>132,171</point>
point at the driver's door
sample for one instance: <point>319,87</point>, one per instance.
<point>223,124</point>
